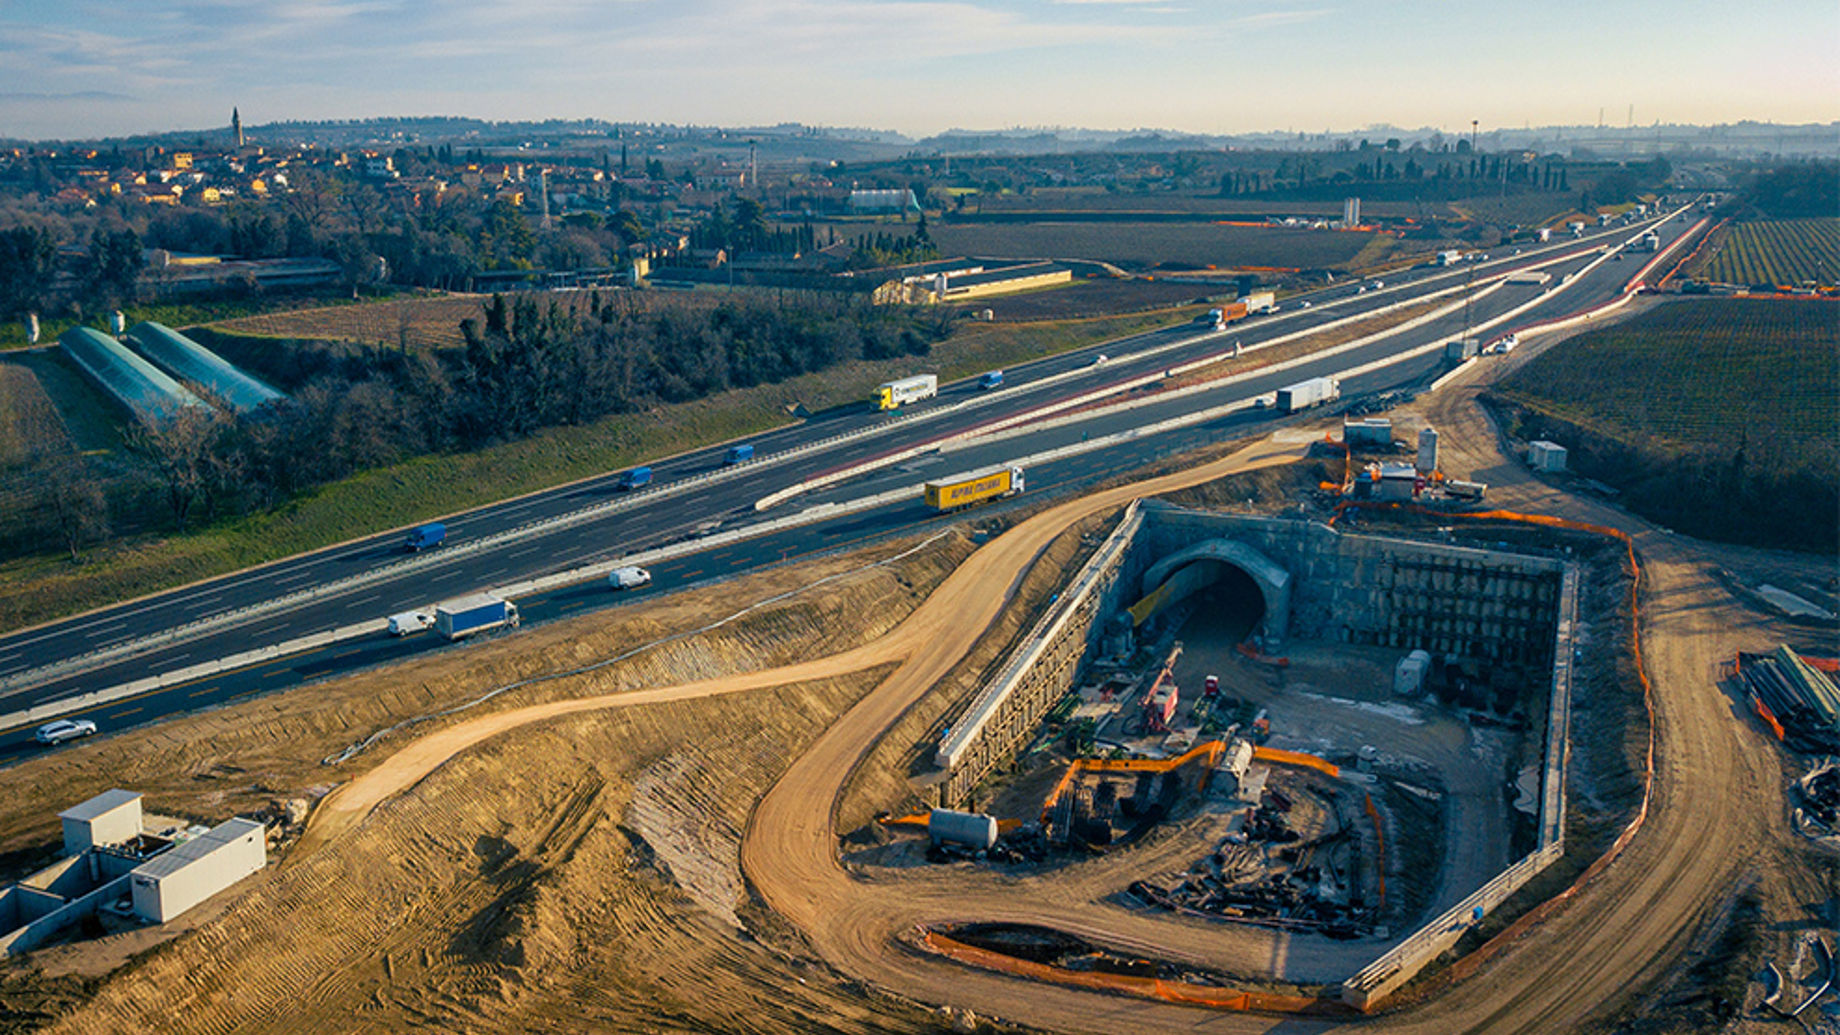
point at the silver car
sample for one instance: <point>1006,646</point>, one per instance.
<point>65,729</point>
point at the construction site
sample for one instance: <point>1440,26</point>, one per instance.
<point>1196,758</point>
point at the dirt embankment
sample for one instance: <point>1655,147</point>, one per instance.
<point>583,868</point>
<point>882,781</point>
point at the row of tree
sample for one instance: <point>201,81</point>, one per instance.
<point>525,366</point>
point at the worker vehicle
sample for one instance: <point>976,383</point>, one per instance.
<point>425,537</point>
<point>64,729</point>
<point>892,395</point>
<point>410,622</point>
<point>629,577</point>
<point>740,454</point>
<point>637,478</point>
<point>464,616</point>
<point>1305,394</point>
<point>963,490</point>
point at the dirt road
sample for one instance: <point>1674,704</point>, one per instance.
<point>1715,812</point>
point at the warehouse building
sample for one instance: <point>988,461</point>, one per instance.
<point>185,358</point>
<point>133,382</point>
<point>175,881</point>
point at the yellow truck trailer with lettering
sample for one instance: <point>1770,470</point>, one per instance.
<point>962,490</point>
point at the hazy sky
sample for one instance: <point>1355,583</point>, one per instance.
<point>82,68</point>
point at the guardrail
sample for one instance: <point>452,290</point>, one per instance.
<point>121,691</point>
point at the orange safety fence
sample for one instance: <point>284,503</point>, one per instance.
<point>1469,964</point>
<point>1379,839</point>
<point>1298,758</point>
<point>1183,992</point>
<point>1210,750</point>
<point>1769,717</point>
<point>1264,659</point>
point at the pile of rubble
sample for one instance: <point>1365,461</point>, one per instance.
<point>1265,873</point>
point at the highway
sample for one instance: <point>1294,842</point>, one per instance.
<point>674,510</point>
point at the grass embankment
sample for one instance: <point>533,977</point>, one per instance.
<point>46,586</point>
<point>1713,416</point>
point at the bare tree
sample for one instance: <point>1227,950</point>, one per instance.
<point>180,445</point>
<point>76,506</point>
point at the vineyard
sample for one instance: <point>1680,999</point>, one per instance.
<point>1785,252</point>
<point>1713,416</point>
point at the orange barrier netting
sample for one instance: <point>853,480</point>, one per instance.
<point>1470,963</point>
<point>1298,758</point>
<point>1209,751</point>
<point>1379,839</point>
<point>1182,992</point>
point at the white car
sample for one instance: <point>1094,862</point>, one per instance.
<point>65,729</point>
<point>1378,284</point>
<point>410,622</point>
<point>1096,360</point>
<point>1305,304</point>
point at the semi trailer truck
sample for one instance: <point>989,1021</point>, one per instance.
<point>464,616</point>
<point>892,395</point>
<point>1248,305</point>
<point>1305,394</point>
<point>963,490</point>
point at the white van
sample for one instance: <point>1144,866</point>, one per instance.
<point>629,577</point>
<point>410,622</point>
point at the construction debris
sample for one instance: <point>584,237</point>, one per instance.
<point>1796,700</point>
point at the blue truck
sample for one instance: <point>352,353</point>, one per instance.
<point>740,454</point>
<point>423,537</point>
<point>464,616</point>
<point>637,478</point>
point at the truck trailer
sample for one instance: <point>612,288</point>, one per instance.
<point>464,616</point>
<point>962,490</point>
<point>1246,305</point>
<point>892,395</point>
<point>1305,394</point>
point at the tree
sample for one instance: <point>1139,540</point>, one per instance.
<point>179,444</point>
<point>112,265</point>
<point>28,262</point>
<point>76,506</point>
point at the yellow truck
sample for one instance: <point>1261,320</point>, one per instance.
<point>962,490</point>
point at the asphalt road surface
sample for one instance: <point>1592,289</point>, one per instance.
<point>728,502</point>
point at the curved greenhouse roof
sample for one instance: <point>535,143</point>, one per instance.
<point>134,382</point>
<point>187,359</point>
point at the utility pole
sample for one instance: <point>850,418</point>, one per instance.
<point>1472,135</point>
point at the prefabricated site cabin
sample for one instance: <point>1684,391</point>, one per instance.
<point>171,883</point>
<point>110,818</point>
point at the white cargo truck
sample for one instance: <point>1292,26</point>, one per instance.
<point>892,395</point>
<point>1305,394</point>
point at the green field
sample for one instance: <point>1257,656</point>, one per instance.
<point>1786,252</point>
<point>1194,245</point>
<point>1715,416</point>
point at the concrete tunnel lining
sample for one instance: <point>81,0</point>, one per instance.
<point>1273,580</point>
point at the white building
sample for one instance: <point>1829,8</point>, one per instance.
<point>110,818</point>
<point>1546,456</point>
<point>169,884</point>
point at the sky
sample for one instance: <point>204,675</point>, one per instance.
<point>89,68</point>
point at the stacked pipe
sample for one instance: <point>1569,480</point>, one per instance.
<point>1794,697</point>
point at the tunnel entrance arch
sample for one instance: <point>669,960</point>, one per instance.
<point>1210,563</point>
